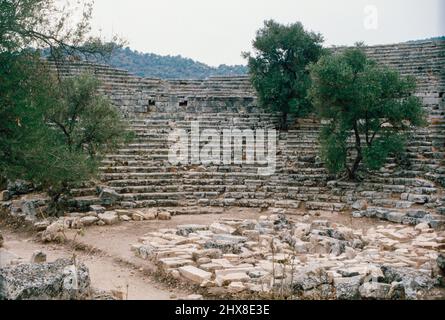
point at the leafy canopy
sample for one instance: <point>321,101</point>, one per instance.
<point>278,67</point>
<point>52,130</point>
<point>368,107</point>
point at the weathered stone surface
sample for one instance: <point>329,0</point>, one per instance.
<point>5,195</point>
<point>124,218</point>
<point>375,290</point>
<point>137,216</point>
<point>109,196</point>
<point>164,215</point>
<point>1,240</point>
<point>38,257</point>
<point>219,228</point>
<point>234,276</point>
<point>441,262</point>
<point>310,279</point>
<point>186,229</point>
<point>236,287</point>
<point>195,274</point>
<point>150,216</point>
<point>54,232</point>
<point>348,288</point>
<point>395,216</point>
<point>89,220</point>
<point>422,226</point>
<point>97,209</point>
<point>57,280</point>
<point>412,280</point>
<point>109,217</point>
<point>397,291</point>
<point>360,205</point>
<point>41,225</point>
<point>19,187</point>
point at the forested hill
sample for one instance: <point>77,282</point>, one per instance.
<point>168,67</point>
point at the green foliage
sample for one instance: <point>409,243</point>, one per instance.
<point>168,67</point>
<point>64,31</point>
<point>369,103</point>
<point>334,147</point>
<point>278,67</point>
<point>52,131</point>
<point>87,120</point>
<point>375,155</point>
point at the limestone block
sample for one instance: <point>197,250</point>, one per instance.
<point>109,217</point>
<point>194,274</point>
<point>38,257</point>
<point>164,215</point>
<point>89,220</point>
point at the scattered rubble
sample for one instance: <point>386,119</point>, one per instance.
<point>52,229</point>
<point>318,260</point>
<point>407,217</point>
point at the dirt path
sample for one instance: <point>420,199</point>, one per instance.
<point>106,272</point>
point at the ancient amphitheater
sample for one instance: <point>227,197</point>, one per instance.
<point>288,230</point>
<point>141,173</point>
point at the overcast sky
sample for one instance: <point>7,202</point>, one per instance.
<point>216,32</point>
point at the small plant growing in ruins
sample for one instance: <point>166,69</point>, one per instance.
<point>368,108</point>
<point>278,67</point>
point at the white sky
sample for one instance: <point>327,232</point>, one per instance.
<point>216,32</point>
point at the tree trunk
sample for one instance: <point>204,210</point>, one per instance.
<point>358,146</point>
<point>352,173</point>
<point>283,124</point>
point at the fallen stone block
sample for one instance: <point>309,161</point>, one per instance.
<point>109,217</point>
<point>89,220</point>
<point>109,196</point>
<point>219,228</point>
<point>225,279</point>
<point>236,287</point>
<point>5,195</point>
<point>441,262</point>
<point>374,290</point>
<point>395,216</point>
<point>194,274</point>
<point>168,263</point>
<point>54,232</point>
<point>150,216</point>
<point>41,225</point>
<point>186,229</point>
<point>38,257</point>
<point>164,215</point>
<point>97,209</point>
<point>360,205</point>
<point>124,218</point>
<point>422,226</point>
<point>348,288</point>
<point>137,216</point>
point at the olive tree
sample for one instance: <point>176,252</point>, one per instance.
<point>278,67</point>
<point>368,108</point>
